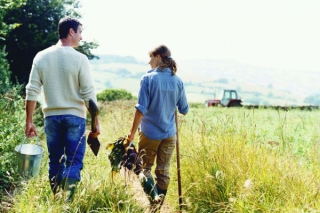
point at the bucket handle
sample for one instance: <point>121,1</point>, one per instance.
<point>26,138</point>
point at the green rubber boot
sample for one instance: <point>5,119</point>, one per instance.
<point>162,193</point>
<point>149,187</point>
<point>157,206</point>
<point>54,184</point>
<point>69,185</point>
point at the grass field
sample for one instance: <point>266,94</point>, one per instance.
<point>232,160</point>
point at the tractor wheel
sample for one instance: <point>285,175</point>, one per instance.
<point>235,104</point>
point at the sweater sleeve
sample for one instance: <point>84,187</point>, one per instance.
<point>33,88</point>
<point>87,89</point>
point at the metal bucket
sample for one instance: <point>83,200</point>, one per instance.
<point>29,158</point>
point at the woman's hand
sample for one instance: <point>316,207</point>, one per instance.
<point>130,137</point>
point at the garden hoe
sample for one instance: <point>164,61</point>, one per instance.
<point>178,163</point>
<point>93,142</point>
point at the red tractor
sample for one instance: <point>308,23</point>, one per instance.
<point>227,98</point>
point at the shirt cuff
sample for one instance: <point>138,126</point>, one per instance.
<point>184,111</point>
<point>31,97</point>
<point>141,109</point>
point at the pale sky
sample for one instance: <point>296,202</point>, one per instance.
<point>281,34</point>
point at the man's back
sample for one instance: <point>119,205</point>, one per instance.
<point>65,76</point>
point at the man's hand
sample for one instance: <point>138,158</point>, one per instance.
<point>96,133</point>
<point>30,130</point>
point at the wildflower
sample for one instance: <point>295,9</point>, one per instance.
<point>247,183</point>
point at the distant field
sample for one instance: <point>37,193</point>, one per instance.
<point>258,86</point>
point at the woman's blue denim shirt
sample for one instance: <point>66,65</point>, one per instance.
<point>160,94</point>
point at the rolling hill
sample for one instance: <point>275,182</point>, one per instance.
<point>204,78</point>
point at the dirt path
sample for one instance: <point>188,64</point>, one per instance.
<point>139,195</point>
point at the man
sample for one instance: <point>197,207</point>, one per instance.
<point>65,77</point>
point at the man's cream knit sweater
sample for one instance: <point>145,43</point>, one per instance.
<point>64,74</point>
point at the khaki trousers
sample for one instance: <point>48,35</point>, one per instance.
<point>162,151</point>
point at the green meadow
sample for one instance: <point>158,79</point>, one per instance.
<point>232,160</point>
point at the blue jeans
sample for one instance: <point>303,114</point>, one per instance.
<point>66,141</point>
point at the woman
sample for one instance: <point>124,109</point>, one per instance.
<point>161,94</point>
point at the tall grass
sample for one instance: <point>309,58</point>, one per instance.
<point>232,160</point>
<point>240,160</point>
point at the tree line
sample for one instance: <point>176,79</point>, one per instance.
<point>29,26</point>
<point>26,27</point>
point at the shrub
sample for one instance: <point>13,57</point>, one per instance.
<point>12,124</point>
<point>114,94</point>
<point>5,74</point>
<point>11,133</point>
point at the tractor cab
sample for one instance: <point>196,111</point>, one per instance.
<point>227,98</point>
